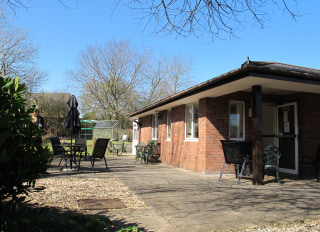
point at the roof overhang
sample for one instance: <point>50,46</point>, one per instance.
<point>272,82</point>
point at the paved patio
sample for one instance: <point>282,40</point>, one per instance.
<point>180,200</point>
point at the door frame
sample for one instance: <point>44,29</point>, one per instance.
<point>285,170</point>
<point>135,130</point>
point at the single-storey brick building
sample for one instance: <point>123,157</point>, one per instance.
<point>262,102</point>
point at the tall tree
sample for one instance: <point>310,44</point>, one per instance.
<point>18,55</point>
<point>108,74</point>
<point>218,18</point>
<point>116,78</point>
<point>54,109</point>
<point>165,76</point>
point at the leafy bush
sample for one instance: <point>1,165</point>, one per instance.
<point>22,157</point>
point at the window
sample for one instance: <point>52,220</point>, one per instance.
<point>155,122</point>
<point>236,120</point>
<point>192,121</point>
<point>135,131</point>
<point>169,125</point>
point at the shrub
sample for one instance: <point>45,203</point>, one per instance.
<point>22,157</point>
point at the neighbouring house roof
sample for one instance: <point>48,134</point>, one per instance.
<point>275,78</point>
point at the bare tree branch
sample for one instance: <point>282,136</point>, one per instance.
<point>219,18</point>
<point>18,55</point>
<point>116,78</point>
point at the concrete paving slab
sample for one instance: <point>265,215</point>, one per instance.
<point>181,200</point>
<point>186,201</point>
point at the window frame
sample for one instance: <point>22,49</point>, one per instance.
<point>135,131</point>
<point>240,138</point>
<point>155,126</point>
<point>169,119</point>
<point>194,128</point>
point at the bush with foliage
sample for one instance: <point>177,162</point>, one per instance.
<point>22,157</point>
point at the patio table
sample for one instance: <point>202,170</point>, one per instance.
<point>72,151</point>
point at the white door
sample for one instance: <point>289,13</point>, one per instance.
<point>287,133</point>
<point>134,138</point>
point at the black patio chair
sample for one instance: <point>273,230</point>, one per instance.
<point>308,161</point>
<point>57,148</point>
<point>233,154</point>
<point>83,147</point>
<point>272,155</point>
<point>98,152</point>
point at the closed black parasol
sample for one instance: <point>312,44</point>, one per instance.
<point>72,121</point>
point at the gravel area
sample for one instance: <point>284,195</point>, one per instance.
<point>65,193</point>
<point>297,226</point>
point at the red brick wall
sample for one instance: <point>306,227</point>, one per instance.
<point>183,154</point>
<point>145,132</point>
<point>217,127</point>
<point>206,155</point>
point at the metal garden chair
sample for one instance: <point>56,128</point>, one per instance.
<point>148,150</point>
<point>57,148</point>
<point>98,152</point>
<point>139,151</point>
<point>82,149</point>
<point>272,155</point>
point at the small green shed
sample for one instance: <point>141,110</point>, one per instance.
<point>86,129</point>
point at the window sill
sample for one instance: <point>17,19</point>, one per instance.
<point>237,139</point>
<point>191,140</point>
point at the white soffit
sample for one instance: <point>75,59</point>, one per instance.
<point>269,86</point>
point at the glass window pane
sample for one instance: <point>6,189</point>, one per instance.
<point>169,125</point>
<point>135,134</point>
<point>189,121</point>
<point>135,131</point>
<point>155,126</point>
<point>236,120</point>
<point>196,120</point>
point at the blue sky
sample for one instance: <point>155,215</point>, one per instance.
<point>61,34</point>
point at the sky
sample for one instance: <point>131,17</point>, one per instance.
<point>62,33</point>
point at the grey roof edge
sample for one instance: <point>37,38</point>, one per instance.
<point>282,68</point>
<point>268,67</point>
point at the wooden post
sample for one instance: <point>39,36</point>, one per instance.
<point>257,156</point>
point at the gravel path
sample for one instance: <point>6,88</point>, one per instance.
<point>65,193</point>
